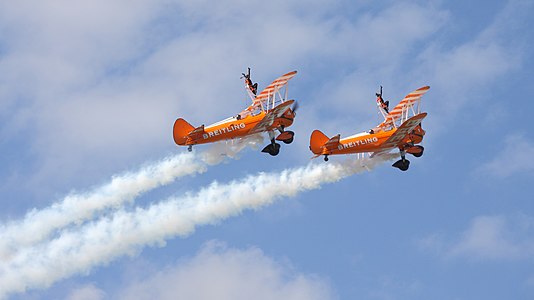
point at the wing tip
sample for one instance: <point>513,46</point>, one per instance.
<point>426,87</point>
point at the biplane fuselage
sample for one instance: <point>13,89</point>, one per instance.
<point>270,111</point>
<point>367,142</point>
<point>227,129</point>
<point>231,128</point>
<point>359,143</point>
<point>401,129</point>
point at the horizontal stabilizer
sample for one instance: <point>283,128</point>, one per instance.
<point>332,143</point>
<point>197,132</point>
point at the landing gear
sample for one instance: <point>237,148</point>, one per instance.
<point>288,141</point>
<point>285,136</point>
<point>273,148</point>
<point>190,148</point>
<point>416,151</point>
<point>326,158</point>
<point>403,164</point>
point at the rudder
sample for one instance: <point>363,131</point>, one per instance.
<point>180,131</point>
<point>317,141</point>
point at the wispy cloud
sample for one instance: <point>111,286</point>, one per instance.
<point>86,292</point>
<point>219,272</point>
<point>123,72</point>
<point>487,238</point>
<point>515,158</point>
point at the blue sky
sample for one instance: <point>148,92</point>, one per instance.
<point>89,92</point>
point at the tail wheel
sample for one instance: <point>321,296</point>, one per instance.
<point>326,158</point>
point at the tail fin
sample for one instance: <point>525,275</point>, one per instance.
<point>180,131</point>
<point>317,141</point>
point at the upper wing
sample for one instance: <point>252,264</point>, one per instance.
<point>396,138</point>
<point>269,117</point>
<point>403,106</point>
<point>272,88</point>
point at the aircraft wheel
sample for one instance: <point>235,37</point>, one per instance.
<point>268,149</point>
<point>418,151</point>
<point>326,158</point>
<point>275,149</point>
<point>272,149</point>
<point>402,164</point>
<point>288,141</point>
<point>285,136</point>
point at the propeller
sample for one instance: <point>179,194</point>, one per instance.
<point>295,107</point>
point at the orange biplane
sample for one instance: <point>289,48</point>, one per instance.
<point>269,112</point>
<point>401,129</point>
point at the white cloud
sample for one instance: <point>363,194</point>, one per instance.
<point>516,157</point>
<point>487,238</point>
<point>492,237</point>
<point>86,292</point>
<point>219,272</point>
<point>462,74</point>
<point>104,81</point>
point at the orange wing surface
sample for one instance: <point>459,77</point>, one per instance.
<point>403,106</point>
<point>400,134</point>
<point>269,118</point>
<point>272,88</point>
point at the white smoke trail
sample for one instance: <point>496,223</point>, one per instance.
<point>97,243</point>
<point>79,207</point>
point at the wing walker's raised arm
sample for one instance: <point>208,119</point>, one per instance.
<point>251,88</point>
<point>383,106</point>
